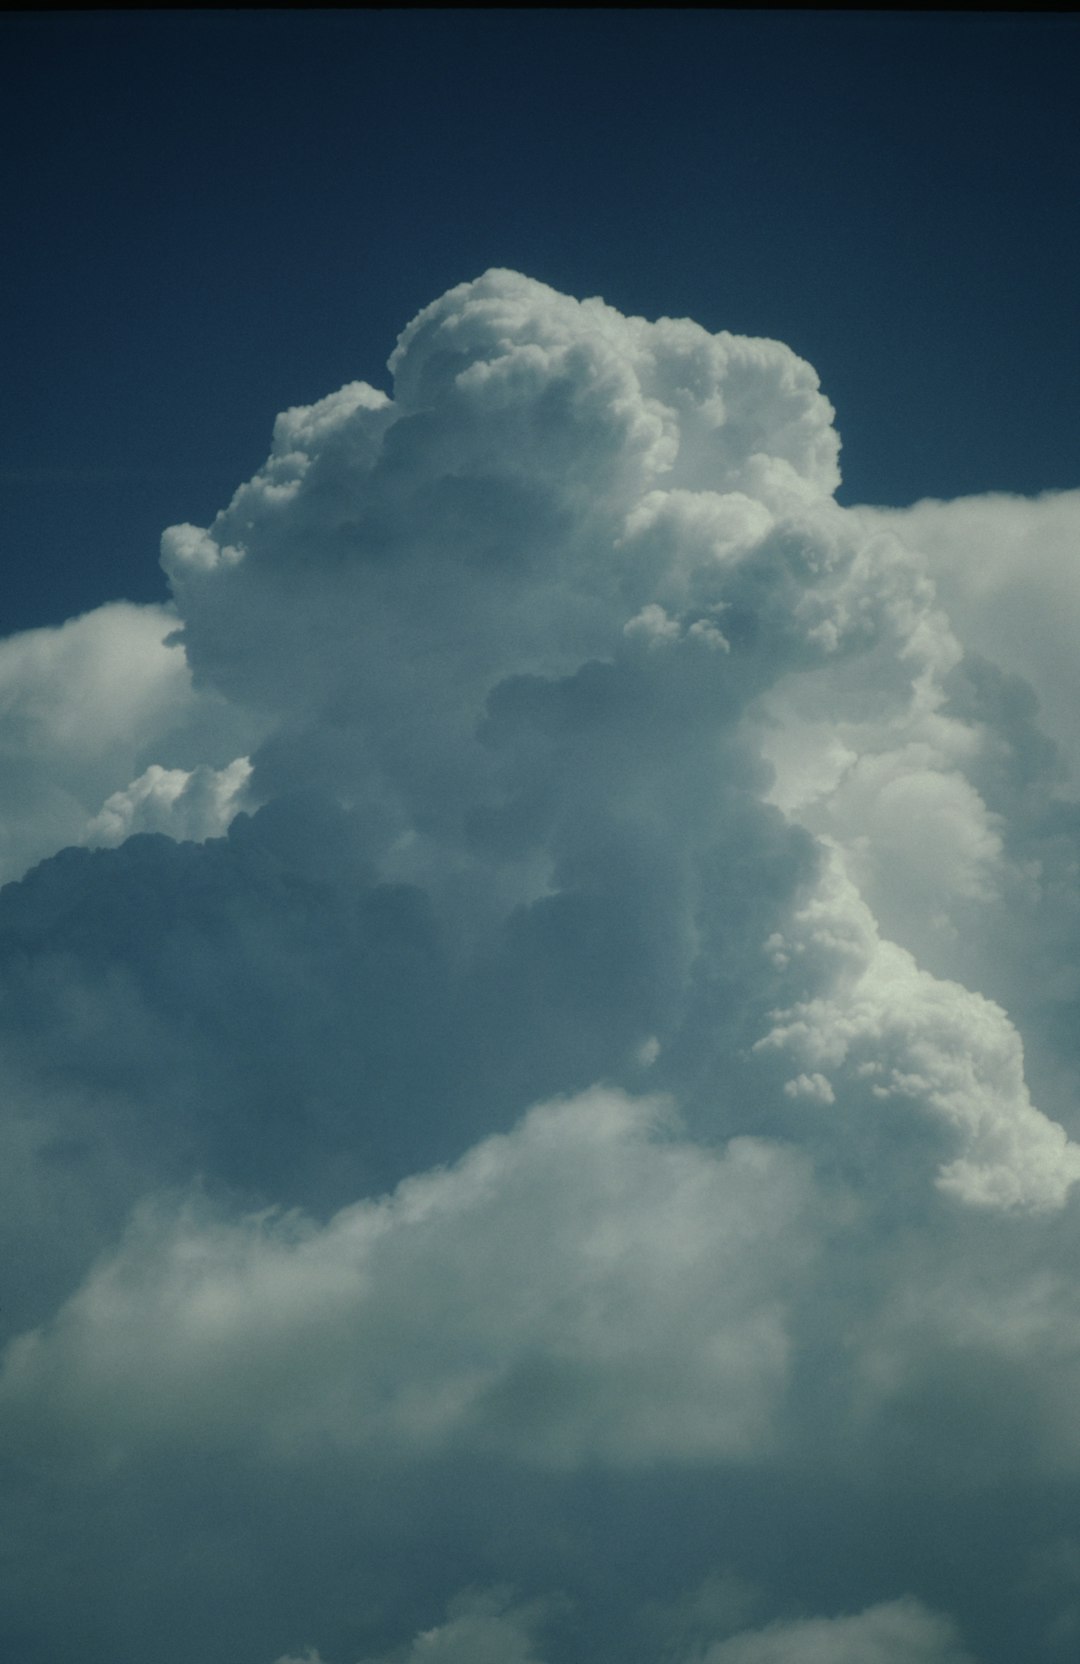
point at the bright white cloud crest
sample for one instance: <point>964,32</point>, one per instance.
<point>569,892</point>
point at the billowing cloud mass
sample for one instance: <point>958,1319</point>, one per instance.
<point>538,1022</point>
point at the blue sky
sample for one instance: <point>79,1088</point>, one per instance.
<point>539,828</point>
<point>211,216</point>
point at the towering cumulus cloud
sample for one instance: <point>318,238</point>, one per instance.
<point>536,1009</point>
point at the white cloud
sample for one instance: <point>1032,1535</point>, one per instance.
<point>545,724</point>
<point>193,803</point>
<point>910,1035</point>
<point>441,551</point>
<point>1007,570</point>
<point>487,1629</point>
<point>583,1288</point>
<point>897,1632</point>
<point>85,707</point>
<point>480,1629</point>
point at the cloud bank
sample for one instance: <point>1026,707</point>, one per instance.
<point>537,1014</point>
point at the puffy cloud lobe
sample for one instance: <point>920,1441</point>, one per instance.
<point>195,804</point>
<point>579,1288</point>
<point>461,545</point>
<point>479,1629</point>
<point>667,397</point>
<point>83,709</point>
<point>903,1032</point>
<point>898,1632</point>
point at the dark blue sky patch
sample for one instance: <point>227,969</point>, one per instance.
<point>210,217</point>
